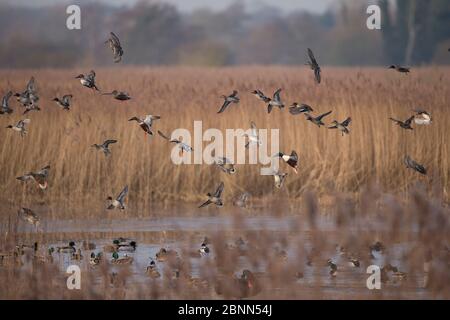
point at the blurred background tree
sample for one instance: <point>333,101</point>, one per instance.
<point>414,32</point>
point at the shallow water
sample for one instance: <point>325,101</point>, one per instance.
<point>185,234</point>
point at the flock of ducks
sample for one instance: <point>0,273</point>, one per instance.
<point>29,99</point>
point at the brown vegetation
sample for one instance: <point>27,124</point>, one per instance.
<point>372,153</point>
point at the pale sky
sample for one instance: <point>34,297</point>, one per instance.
<point>316,6</point>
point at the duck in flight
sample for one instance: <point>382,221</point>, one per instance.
<point>342,126</point>
<point>253,137</point>
<point>400,69</point>
<point>183,146</point>
<point>104,146</point>
<point>5,109</point>
<point>232,98</point>
<point>260,95</point>
<point>296,108</point>
<point>146,123</point>
<point>20,127</point>
<point>64,102</point>
<point>225,164</point>
<point>422,117</point>
<point>118,95</point>
<point>317,120</point>
<point>404,124</point>
<point>275,101</point>
<point>291,160</point>
<point>279,179</point>
<point>119,201</point>
<point>114,44</point>
<point>88,80</point>
<point>314,66</point>
<point>40,177</point>
<point>411,164</point>
<point>29,96</point>
<point>215,198</point>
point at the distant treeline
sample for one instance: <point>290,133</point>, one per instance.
<point>414,32</point>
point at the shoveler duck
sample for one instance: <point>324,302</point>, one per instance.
<point>400,69</point>
<point>279,179</point>
<point>164,254</point>
<point>215,198</point>
<point>64,102</point>
<point>253,137</point>
<point>342,126</point>
<point>146,123</point>
<point>40,177</point>
<point>241,200</point>
<point>232,98</point>
<point>240,287</point>
<point>183,146</point>
<point>260,95</point>
<point>411,164</point>
<point>118,95</point>
<point>422,117</point>
<point>314,66</point>
<point>333,268</point>
<point>88,80</point>
<point>275,101</point>
<point>5,109</point>
<point>291,160</point>
<point>317,120</point>
<point>121,261</point>
<point>225,165</point>
<point>151,270</point>
<point>119,201</point>
<point>29,216</point>
<point>95,259</point>
<point>114,44</point>
<point>404,124</point>
<point>77,255</point>
<point>104,146</point>
<point>296,108</point>
<point>67,249</point>
<point>20,127</point>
